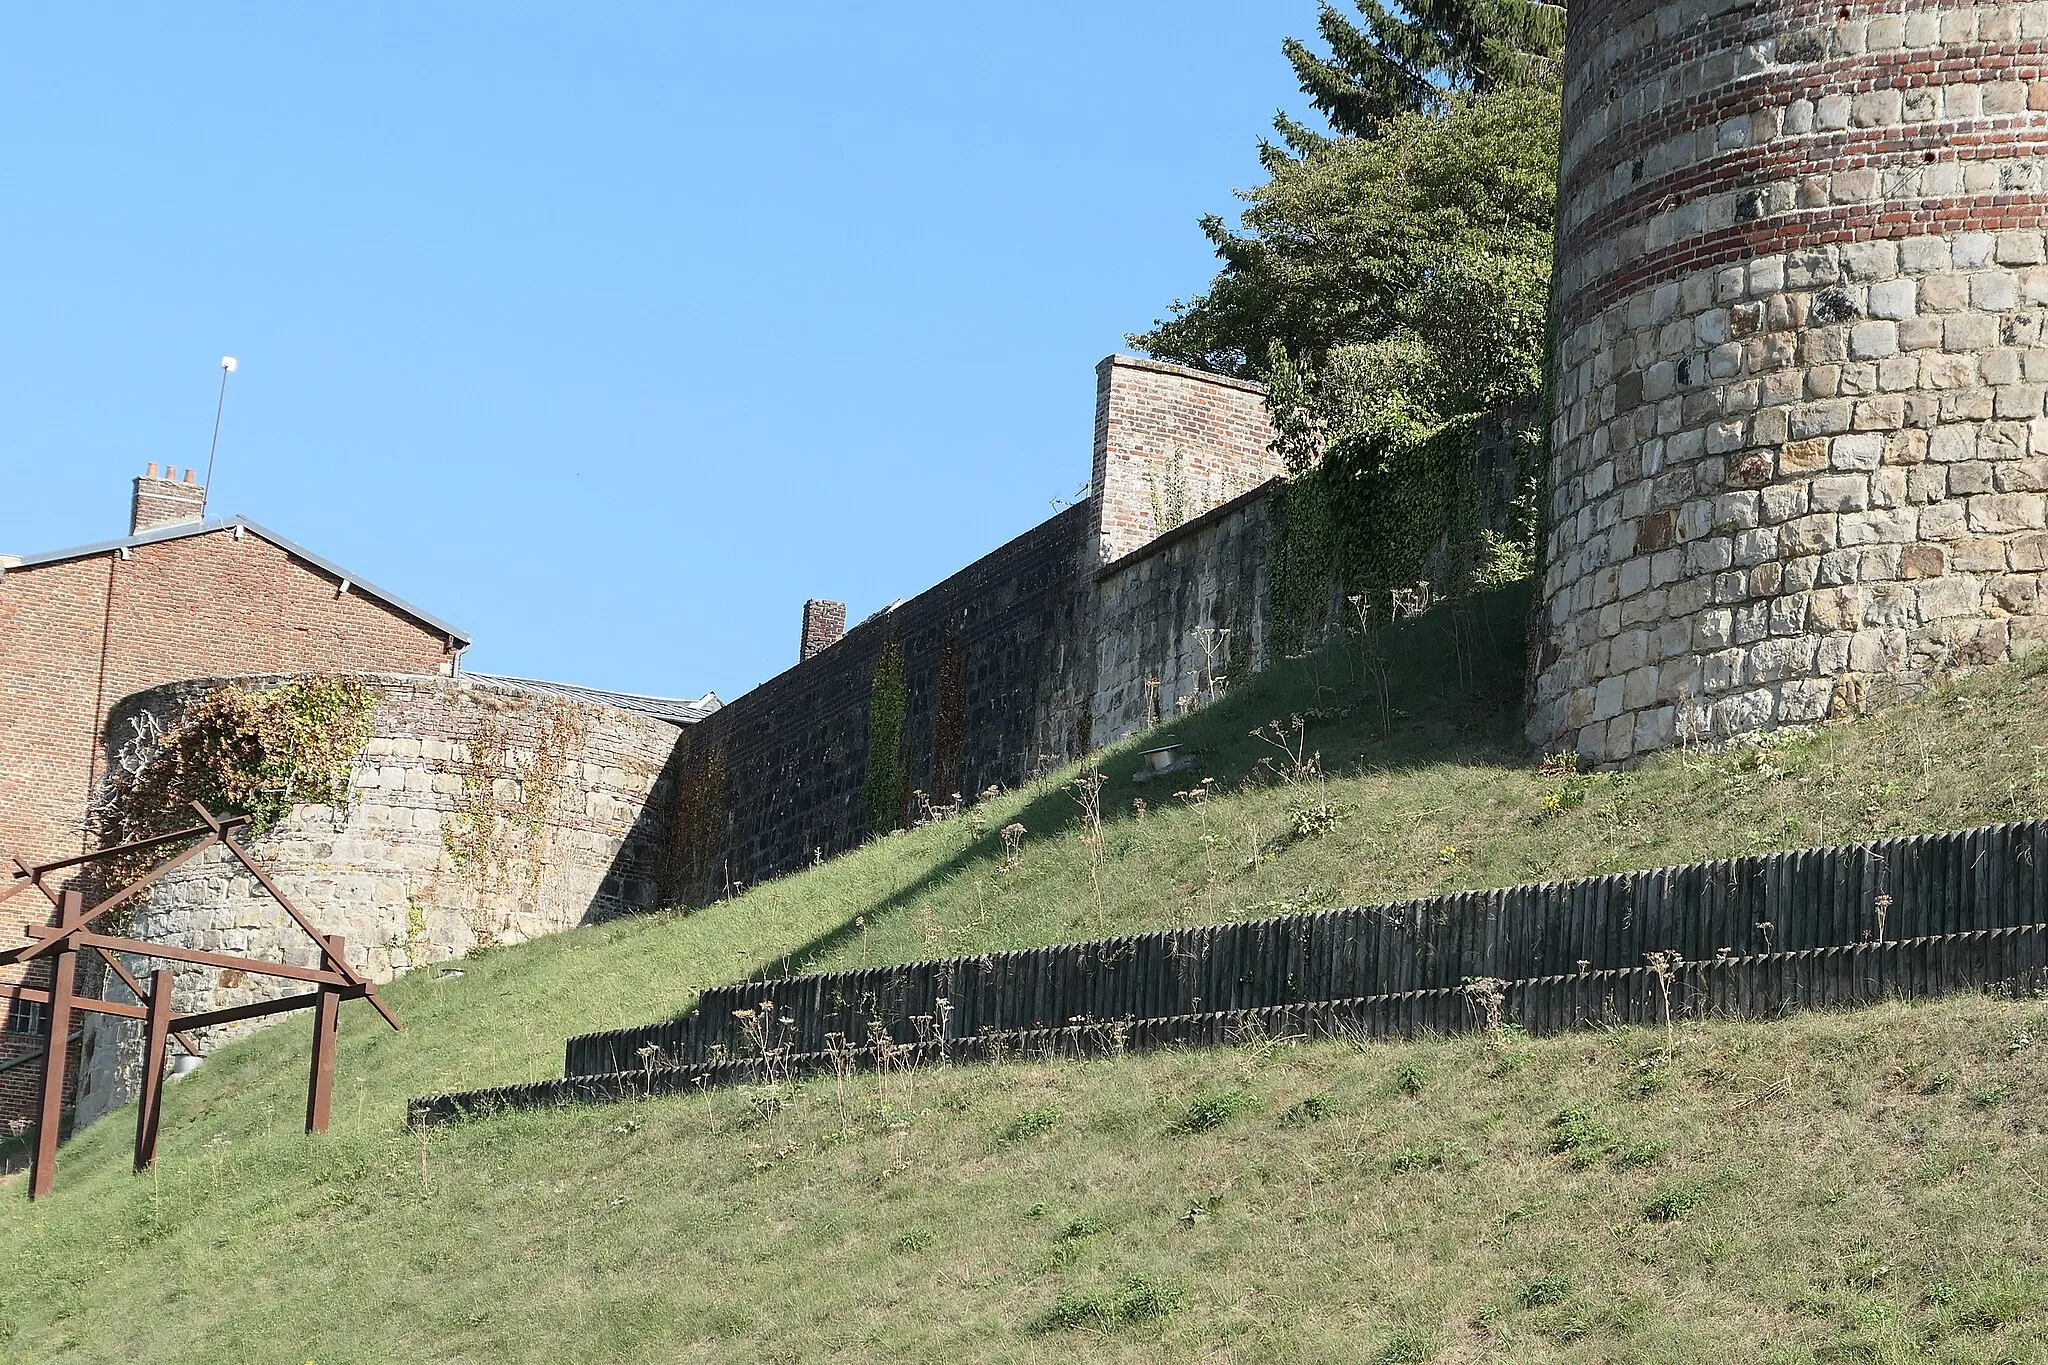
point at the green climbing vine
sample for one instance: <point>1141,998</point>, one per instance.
<point>692,862</point>
<point>507,791</point>
<point>884,788</point>
<point>254,751</point>
<point>1395,506</point>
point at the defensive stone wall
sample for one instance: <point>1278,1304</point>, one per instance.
<point>479,813</point>
<point>993,688</point>
<point>1798,438</point>
<point>1183,617</point>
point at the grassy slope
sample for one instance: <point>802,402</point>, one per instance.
<point>1883,1194</point>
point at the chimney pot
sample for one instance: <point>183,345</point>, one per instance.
<point>189,472</point>
<point>152,470</point>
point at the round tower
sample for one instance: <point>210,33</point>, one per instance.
<point>1798,456</point>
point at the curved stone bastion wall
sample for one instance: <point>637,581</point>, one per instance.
<point>479,813</point>
<point>1798,442</point>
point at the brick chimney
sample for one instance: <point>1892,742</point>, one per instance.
<point>165,501</point>
<point>824,623</point>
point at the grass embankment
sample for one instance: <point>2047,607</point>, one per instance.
<point>1853,1186</point>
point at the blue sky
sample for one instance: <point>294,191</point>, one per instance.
<point>609,333</point>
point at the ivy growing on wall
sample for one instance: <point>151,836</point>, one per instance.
<point>1388,509</point>
<point>949,725</point>
<point>690,873</point>
<point>259,752</point>
<point>507,793</point>
<point>885,787</point>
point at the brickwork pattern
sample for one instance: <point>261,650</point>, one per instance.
<point>165,501</point>
<point>1171,443</point>
<point>824,623</point>
<point>77,635</point>
<point>1799,453</point>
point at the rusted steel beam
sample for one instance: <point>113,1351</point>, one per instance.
<point>56,1050</point>
<point>52,938</point>
<point>173,953</point>
<point>255,1009</point>
<point>326,1026</point>
<point>208,826</point>
<point>119,1008</point>
<point>128,980</point>
<point>155,1052</point>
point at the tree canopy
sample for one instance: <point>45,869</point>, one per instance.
<point>1414,58</point>
<point>1430,238</point>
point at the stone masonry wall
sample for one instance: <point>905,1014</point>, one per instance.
<point>480,813</point>
<point>1182,618</point>
<point>996,666</point>
<point>1171,443</point>
<point>1799,450</point>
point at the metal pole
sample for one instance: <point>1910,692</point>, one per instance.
<point>326,1025</point>
<point>50,1116</point>
<point>227,367</point>
<point>155,1052</point>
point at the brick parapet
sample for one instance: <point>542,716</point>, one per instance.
<point>1798,447</point>
<point>1170,443</point>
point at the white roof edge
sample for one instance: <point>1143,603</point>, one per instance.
<point>290,547</point>
<point>675,710</point>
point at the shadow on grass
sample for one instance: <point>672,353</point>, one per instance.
<point>1452,693</point>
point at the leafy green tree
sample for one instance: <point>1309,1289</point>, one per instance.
<point>1432,237</point>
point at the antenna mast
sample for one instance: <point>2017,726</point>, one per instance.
<point>227,367</point>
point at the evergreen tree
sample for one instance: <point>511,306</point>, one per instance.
<point>1410,59</point>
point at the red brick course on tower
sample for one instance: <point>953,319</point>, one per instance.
<point>1799,452</point>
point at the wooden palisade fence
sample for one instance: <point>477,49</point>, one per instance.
<point>1748,937</point>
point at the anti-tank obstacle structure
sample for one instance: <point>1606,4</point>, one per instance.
<point>60,943</point>
<point>1752,937</point>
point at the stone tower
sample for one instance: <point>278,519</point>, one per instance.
<point>1799,454</point>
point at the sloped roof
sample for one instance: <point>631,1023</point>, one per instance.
<point>199,528</point>
<point>674,710</point>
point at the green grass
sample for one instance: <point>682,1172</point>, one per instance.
<point>1857,1186</point>
<point>1813,1199</point>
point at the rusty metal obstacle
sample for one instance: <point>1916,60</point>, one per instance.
<point>59,943</point>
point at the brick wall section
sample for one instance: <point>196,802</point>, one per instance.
<point>824,623</point>
<point>382,872</point>
<point>791,755</point>
<point>77,635</point>
<point>1799,454</point>
<point>1171,443</point>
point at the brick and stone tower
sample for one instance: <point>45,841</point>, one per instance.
<point>1799,450</point>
